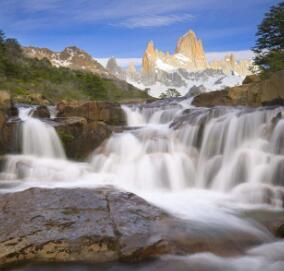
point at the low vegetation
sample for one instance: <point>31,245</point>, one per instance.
<point>170,93</point>
<point>23,76</point>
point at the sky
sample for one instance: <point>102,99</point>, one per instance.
<point>122,28</point>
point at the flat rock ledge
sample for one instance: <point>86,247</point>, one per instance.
<point>95,226</point>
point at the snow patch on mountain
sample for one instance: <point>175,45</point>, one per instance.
<point>209,79</point>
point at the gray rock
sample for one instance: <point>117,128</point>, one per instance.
<point>195,90</point>
<point>62,225</point>
<point>41,112</point>
<point>101,225</point>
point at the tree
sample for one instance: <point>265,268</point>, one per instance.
<point>269,48</point>
<point>170,93</point>
<point>2,51</point>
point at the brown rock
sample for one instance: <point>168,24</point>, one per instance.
<point>79,137</point>
<point>101,225</point>
<point>251,79</point>
<point>213,98</point>
<point>41,112</point>
<point>5,99</point>
<point>109,113</point>
<point>189,55</point>
<point>76,225</point>
<point>10,141</point>
<point>71,57</point>
<point>149,59</point>
<point>191,47</point>
<point>258,93</point>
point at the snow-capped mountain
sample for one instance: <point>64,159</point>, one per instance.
<point>183,81</point>
<point>186,68</point>
<point>71,57</point>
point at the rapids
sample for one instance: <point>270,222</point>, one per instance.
<point>216,167</point>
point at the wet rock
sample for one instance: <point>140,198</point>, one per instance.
<point>280,231</point>
<point>41,112</point>
<point>12,111</point>
<point>101,225</point>
<point>79,137</point>
<point>63,225</point>
<point>10,141</point>
<point>110,113</point>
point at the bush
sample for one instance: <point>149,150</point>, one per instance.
<point>23,76</point>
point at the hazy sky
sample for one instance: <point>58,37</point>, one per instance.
<point>122,28</point>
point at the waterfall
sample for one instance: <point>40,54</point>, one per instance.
<point>216,167</point>
<point>39,138</point>
<point>173,148</point>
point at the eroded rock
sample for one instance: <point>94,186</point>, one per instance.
<point>252,93</point>
<point>110,113</point>
<point>81,137</point>
<point>102,225</point>
<point>62,225</point>
<point>41,112</point>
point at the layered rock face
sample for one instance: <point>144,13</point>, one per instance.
<point>84,126</point>
<point>191,47</point>
<point>253,92</point>
<point>149,58</point>
<point>189,55</point>
<point>186,68</point>
<point>71,57</point>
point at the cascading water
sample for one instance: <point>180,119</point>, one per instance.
<point>39,138</point>
<point>217,149</point>
<point>213,167</point>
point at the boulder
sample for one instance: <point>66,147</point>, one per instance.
<point>213,98</point>
<point>12,111</point>
<point>41,112</point>
<point>100,225</point>
<point>5,99</point>
<point>253,93</point>
<point>110,113</point>
<point>272,90</point>
<point>10,141</point>
<point>80,137</point>
<point>195,90</point>
<point>251,79</point>
<point>32,98</point>
<point>77,225</point>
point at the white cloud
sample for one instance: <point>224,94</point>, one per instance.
<point>125,13</point>
<point>243,54</point>
<point>122,62</point>
<point>155,20</point>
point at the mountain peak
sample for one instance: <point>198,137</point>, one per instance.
<point>190,33</point>
<point>189,55</point>
<point>190,46</point>
<point>71,57</point>
<point>150,47</point>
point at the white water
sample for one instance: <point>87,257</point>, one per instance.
<point>205,165</point>
<point>39,138</point>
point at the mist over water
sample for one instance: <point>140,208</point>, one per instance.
<point>215,167</point>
